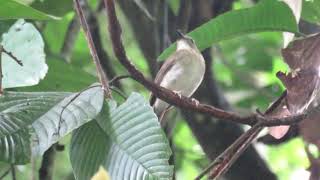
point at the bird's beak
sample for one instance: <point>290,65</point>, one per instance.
<point>180,34</point>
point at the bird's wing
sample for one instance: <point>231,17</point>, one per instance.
<point>167,65</point>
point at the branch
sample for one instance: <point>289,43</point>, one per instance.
<point>173,98</point>
<point>184,15</point>
<point>47,164</point>
<point>5,173</point>
<point>12,56</point>
<point>70,39</point>
<point>101,73</point>
<point>13,172</point>
<point>224,161</point>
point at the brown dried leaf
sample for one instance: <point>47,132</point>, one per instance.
<point>301,87</point>
<point>302,83</point>
<point>303,53</point>
<point>310,128</point>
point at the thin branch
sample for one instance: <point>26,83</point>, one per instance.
<point>71,100</point>
<point>171,97</point>
<point>119,92</point>
<point>12,56</point>
<point>184,15</point>
<point>5,173</point>
<point>13,172</point>
<point>223,162</point>
<point>70,39</point>
<point>118,78</point>
<point>47,164</point>
<point>101,73</point>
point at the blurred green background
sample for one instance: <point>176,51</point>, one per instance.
<point>245,68</point>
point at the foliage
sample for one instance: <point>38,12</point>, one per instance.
<point>25,42</point>
<point>21,11</point>
<point>268,15</point>
<point>127,140</point>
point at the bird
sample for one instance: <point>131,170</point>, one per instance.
<point>182,72</point>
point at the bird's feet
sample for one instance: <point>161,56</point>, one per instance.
<point>196,102</point>
<point>178,93</point>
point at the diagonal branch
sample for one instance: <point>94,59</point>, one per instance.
<point>12,56</point>
<point>223,162</point>
<point>101,73</point>
<point>173,98</point>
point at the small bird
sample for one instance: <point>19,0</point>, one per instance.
<point>182,72</point>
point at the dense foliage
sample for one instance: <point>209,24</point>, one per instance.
<point>51,98</point>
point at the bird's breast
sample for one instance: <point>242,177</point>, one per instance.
<point>185,76</point>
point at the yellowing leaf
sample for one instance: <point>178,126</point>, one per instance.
<point>102,174</point>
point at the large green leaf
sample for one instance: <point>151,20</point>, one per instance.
<point>311,11</point>
<point>268,15</point>
<point>54,7</point>
<point>49,128</point>
<point>89,148</point>
<point>128,141</point>
<point>18,110</point>
<point>11,9</point>
<point>24,41</point>
<point>61,77</point>
<point>29,121</point>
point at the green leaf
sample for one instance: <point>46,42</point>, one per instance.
<point>128,142</point>
<point>268,15</point>
<point>310,11</point>
<point>54,7</point>
<point>29,121</point>
<point>174,5</point>
<point>25,42</point>
<point>61,77</point>
<point>89,149</point>
<point>48,129</point>
<point>11,9</point>
<point>18,110</point>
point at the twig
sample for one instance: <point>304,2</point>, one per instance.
<point>47,164</point>
<point>70,39</point>
<point>118,78</point>
<point>71,100</point>
<point>235,151</point>
<point>144,9</point>
<point>101,73</point>
<point>12,56</point>
<point>115,89</point>
<point>184,15</point>
<point>223,162</point>
<point>171,97</point>
<point>5,173</point>
<point>13,172</point>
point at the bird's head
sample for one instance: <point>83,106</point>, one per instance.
<point>185,42</point>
